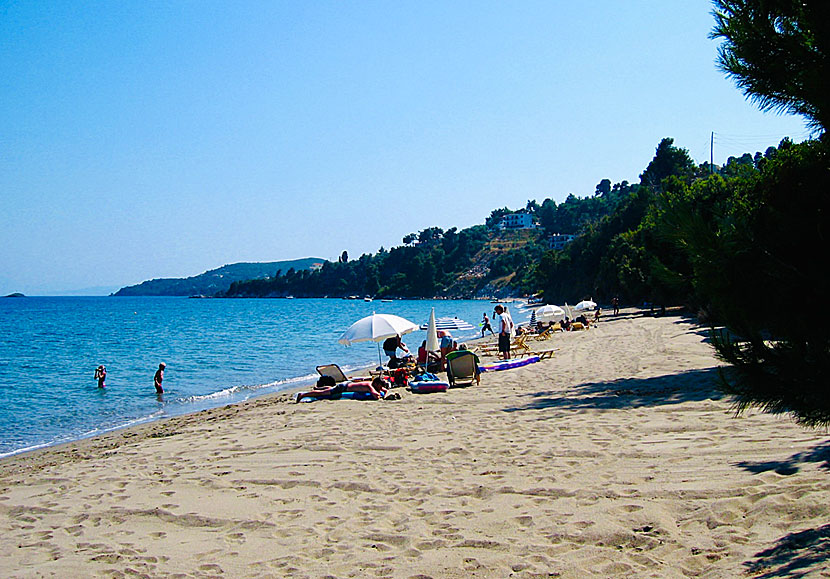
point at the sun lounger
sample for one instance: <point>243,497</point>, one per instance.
<point>519,343</point>
<point>462,367</point>
<point>542,353</point>
<point>543,335</point>
<point>334,371</point>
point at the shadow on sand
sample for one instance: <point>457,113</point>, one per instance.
<point>794,555</point>
<point>690,386</point>
<point>821,453</point>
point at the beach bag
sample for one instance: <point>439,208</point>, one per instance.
<point>399,378</point>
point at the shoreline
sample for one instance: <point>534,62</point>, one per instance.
<point>258,357</point>
<point>616,458</point>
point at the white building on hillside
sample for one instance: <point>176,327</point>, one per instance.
<point>558,241</point>
<point>517,221</point>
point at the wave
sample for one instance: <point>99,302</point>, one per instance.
<point>247,390</point>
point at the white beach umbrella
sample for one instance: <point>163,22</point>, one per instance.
<point>585,305</point>
<point>550,313</point>
<point>376,328</point>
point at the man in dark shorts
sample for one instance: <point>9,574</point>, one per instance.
<point>505,331</point>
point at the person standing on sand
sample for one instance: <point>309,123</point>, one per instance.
<point>159,378</point>
<point>101,375</point>
<point>505,331</point>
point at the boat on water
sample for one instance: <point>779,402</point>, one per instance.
<point>367,299</point>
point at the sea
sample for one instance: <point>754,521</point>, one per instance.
<point>216,351</point>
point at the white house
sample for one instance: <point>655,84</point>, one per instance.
<point>558,241</point>
<point>516,221</point>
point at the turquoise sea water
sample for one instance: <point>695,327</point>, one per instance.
<point>217,352</point>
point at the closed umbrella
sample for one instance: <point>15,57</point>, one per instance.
<point>376,328</point>
<point>432,333</point>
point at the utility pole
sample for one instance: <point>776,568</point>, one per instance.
<point>711,153</point>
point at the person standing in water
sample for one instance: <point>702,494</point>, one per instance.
<point>485,326</point>
<point>159,378</point>
<point>101,376</point>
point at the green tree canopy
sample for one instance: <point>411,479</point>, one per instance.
<point>778,53</point>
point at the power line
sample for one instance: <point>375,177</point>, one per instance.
<point>734,144</point>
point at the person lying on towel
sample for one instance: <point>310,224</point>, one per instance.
<point>325,388</point>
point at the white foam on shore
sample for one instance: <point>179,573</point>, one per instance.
<point>88,434</point>
<point>246,391</point>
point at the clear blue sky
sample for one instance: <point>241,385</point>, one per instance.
<point>161,139</point>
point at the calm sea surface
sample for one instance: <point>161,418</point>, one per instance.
<point>217,352</point>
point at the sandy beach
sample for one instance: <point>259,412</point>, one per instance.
<point>616,458</point>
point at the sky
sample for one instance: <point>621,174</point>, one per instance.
<point>142,140</point>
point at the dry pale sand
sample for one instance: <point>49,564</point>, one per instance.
<point>616,458</point>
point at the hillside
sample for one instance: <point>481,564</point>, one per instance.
<point>473,262</point>
<point>497,268</point>
<point>216,280</point>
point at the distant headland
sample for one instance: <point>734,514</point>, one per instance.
<point>15,295</point>
<point>217,280</point>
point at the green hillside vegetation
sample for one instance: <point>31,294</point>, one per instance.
<point>214,281</point>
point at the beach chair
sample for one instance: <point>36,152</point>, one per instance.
<point>519,344</point>
<point>543,335</point>
<point>543,354</point>
<point>334,371</point>
<point>487,347</point>
<point>462,367</point>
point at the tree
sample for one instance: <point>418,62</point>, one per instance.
<point>344,257</point>
<point>430,235</point>
<point>496,216</point>
<point>758,248</point>
<point>778,53</point>
<point>603,188</point>
<point>668,161</point>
